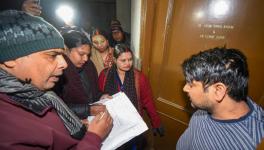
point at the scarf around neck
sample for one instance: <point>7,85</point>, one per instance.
<point>37,101</point>
<point>128,87</point>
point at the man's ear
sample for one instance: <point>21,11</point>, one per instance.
<point>10,64</point>
<point>220,91</point>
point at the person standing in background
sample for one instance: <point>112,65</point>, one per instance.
<point>102,53</point>
<point>118,35</point>
<point>30,6</point>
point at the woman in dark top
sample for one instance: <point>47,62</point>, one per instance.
<point>78,86</point>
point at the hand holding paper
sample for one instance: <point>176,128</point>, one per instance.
<point>127,121</point>
<point>97,108</point>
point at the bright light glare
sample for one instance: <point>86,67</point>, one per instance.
<point>220,8</point>
<point>65,13</point>
<point>199,14</point>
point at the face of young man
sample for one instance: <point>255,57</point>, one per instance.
<point>199,97</point>
<point>117,35</point>
<point>79,55</point>
<point>100,42</point>
<point>42,68</point>
<point>124,62</point>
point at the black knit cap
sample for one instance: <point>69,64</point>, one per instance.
<point>22,34</point>
<point>116,26</point>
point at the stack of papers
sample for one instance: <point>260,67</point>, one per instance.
<point>127,122</point>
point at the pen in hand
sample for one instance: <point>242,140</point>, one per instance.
<point>102,115</point>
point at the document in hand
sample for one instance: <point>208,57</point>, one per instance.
<point>127,121</point>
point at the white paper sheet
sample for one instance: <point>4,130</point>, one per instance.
<point>127,122</point>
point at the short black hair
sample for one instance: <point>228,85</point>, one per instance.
<point>228,66</point>
<point>73,38</point>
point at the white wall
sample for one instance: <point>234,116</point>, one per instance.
<point>123,14</point>
<point>135,29</point>
<point>132,8</point>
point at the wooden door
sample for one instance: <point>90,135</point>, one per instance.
<point>172,30</point>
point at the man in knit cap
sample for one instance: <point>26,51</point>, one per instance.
<point>32,117</point>
<point>118,35</point>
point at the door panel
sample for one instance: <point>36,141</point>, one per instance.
<point>180,28</point>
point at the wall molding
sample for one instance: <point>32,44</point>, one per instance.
<point>164,114</point>
<point>162,100</point>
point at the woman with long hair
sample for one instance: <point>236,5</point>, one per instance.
<point>102,53</point>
